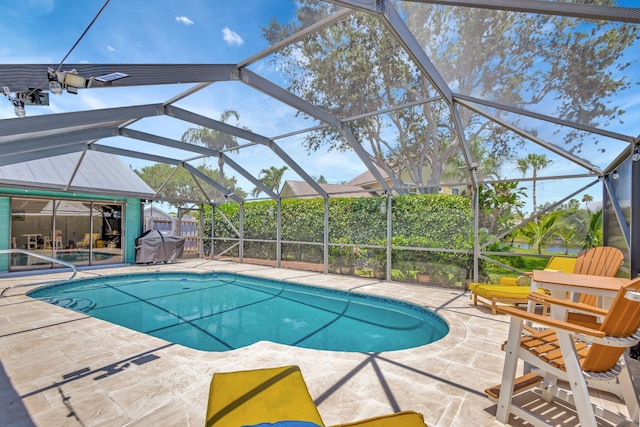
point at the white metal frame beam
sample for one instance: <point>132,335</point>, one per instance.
<point>52,143</point>
<point>543,117</point>
<point>283,95</point>
<point>209,152</point>
<point>547,145</point>
<point>167,160</point>
<point>22,77</point>
<point>41,154</point>
<point>27,127</point>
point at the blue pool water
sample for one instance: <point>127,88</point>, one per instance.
<point>225,311</point>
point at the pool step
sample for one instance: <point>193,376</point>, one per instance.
<point>524,382</point>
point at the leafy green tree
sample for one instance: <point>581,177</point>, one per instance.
<point>535,162</point>
<point>355,66</point>
<point>214,139</point>
<point>271,178</point>
<point>182,185</point>
<point>499,203</point>
<point>488,165</point>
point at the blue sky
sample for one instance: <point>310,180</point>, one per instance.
<point>135,31</point>
<point>186,31</point>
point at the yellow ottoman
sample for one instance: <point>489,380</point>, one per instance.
<point>260,396</point>
<point>399,419</point>
<point>278,397</point>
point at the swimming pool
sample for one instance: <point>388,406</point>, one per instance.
<point>226,311</point>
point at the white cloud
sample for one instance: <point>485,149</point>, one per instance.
<point>184,20</point>
<point>42,6</point>
<point>111,49</point>
<point>231,37</point>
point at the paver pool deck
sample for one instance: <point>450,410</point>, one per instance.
<point>62,368</point>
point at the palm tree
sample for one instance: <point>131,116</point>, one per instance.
<point>586,199</point>
<point>540,233</point>
<point>568,235</point>
<point>214,139</point>
<point>271,178</point>
<point>573,204</point>
<point>593,236</point>
<point>536,162</point>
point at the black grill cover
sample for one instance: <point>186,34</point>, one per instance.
<point>153,246</point>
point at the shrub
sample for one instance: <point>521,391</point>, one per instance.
<point>418,221</point>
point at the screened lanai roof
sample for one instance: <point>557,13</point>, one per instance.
<point>418,95</point>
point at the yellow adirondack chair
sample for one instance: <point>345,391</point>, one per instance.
<point>89,240</point>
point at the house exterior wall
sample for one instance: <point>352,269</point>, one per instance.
<point>5,238</point>
<point>131,220</point>
<point>133,228</point>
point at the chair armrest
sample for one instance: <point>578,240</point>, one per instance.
<point>549,300</point>
<point>550,322</point>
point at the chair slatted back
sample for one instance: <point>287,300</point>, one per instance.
<point>590,299</point>
<point>598,261</point>
<point>622,320</point>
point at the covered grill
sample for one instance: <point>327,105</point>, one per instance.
<point>154,246</point>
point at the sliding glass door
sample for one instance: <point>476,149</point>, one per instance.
<point>78,232</point>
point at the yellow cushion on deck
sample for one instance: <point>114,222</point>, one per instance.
<point>508,281</point>
<point>556,263</point>
<point>399,419</point>
<point>504,281</point>
<point>504,292</point>
<point>566,265</point>
<point>260,396</point>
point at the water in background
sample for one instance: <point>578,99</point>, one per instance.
<point>557,249</point>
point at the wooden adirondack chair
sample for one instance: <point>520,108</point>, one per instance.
<point>579,355</point>
<point>598,261</point>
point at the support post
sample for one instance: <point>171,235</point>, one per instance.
<point>325,245</point>
<point>278,233</point>
<point>389,236</point>
<point>241,236</point>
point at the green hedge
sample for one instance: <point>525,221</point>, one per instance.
<point>425,221</point>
